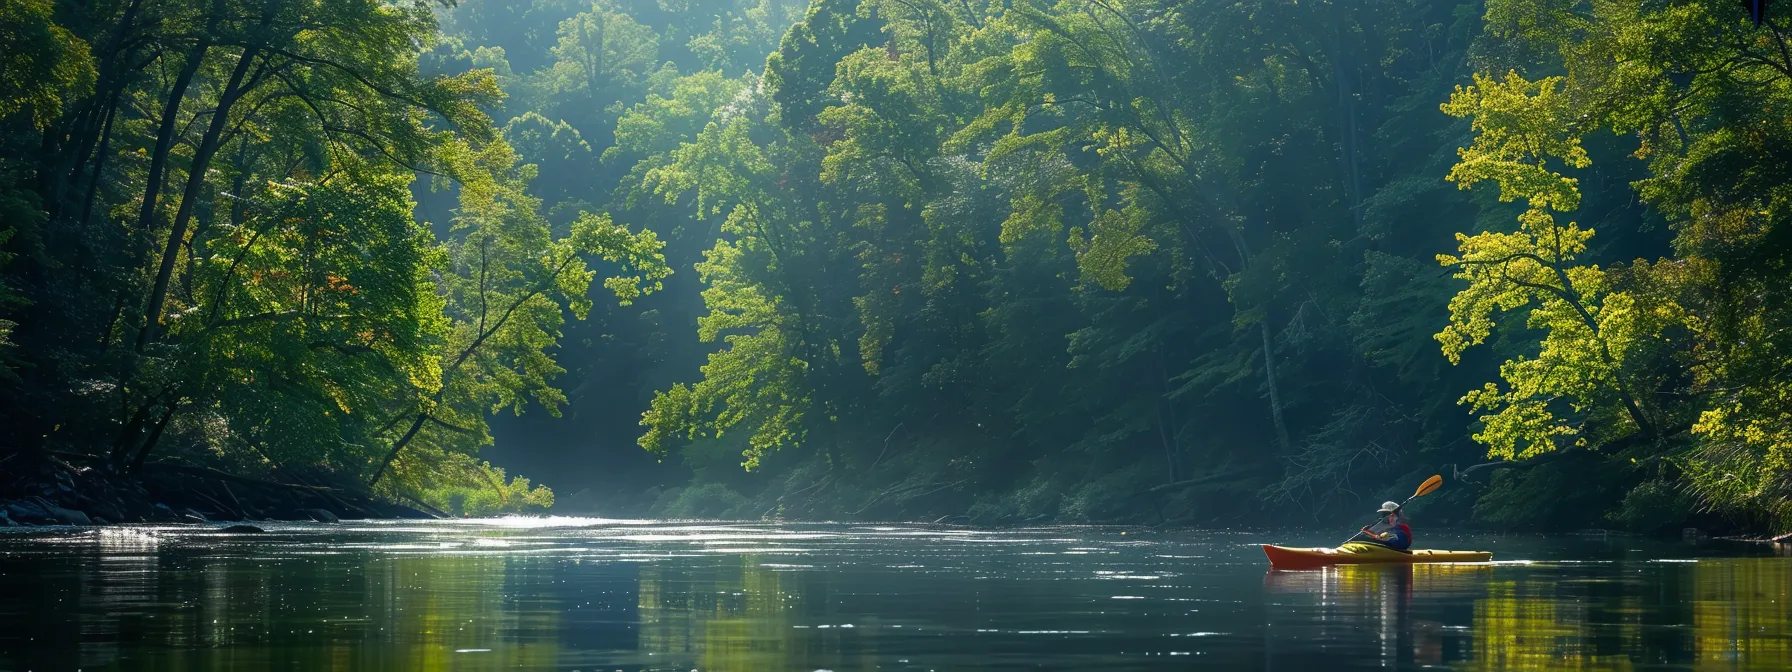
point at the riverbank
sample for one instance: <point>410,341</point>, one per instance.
<point>59,489</point>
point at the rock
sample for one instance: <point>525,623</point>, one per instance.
<point>7,521</point>
<point>21,511</point>
<point>191,516</point>
<point>99,509</point>
<point>42,512</point>
<point>98,520</point>
<point>72,517</point>
<point>320,515</point>
<point>242,529</point>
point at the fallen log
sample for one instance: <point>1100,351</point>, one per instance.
<point>209,472</point>
<point>1204,480</point>
<point>426,507</point>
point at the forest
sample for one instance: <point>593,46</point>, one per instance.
<point>986,261</point>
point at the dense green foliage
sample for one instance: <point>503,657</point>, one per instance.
<point>213,254</point>
<point>1090,260</point>
<point>1101,260</point>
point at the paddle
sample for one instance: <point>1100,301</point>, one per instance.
<point>1429,486</point>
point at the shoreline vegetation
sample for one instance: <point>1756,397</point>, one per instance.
<point>991,262</point>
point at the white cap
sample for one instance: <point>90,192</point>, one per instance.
<point>1388,507</point>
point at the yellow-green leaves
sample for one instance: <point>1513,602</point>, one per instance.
<point>757,383</point>
<point>1577,375</point>
<point>640,253</point>
<point>1520,126</point>
<point>890,115</point>
<point>315,312</point>
<point>1507,271</point>
<point>1112,238</point>
<point>668,420</point>
<point>719,168</point>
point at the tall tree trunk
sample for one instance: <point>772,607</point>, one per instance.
<point>208,146</point>
<point>158,158</point>
<point>1166,416</point>
<point>1245,259</point>
<point>99,168</point>
<point>1275,394</point>
<point>204,220</point>
<point>129,432</point>
<point>1347,131</point>
<point>113,74</point>
<point>117,311</point>
<point>149,443</point>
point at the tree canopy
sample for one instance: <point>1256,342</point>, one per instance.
<point>1077,259</point>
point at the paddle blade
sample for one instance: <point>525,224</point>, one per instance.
<point>1429,486</point>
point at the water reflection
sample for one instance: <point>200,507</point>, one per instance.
<point>730,615</point>
<point>1609,615</point>
<point>1740,613</point>
<point>632,595</point>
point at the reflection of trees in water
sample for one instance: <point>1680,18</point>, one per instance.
<point>398,612</point>
<point>155,609</point>
<point>736,614</point>
<point>1531,625</point>
<point>430,606</point>
<point>1740,613</point>
<point>1716,614</point>
<point>156,604</point>
<point>121,573</point>
<point>1371,606</point>
<point>1737,610</point>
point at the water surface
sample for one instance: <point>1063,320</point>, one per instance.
<point>585,594</point>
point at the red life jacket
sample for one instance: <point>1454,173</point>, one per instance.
<point>1403,537</point>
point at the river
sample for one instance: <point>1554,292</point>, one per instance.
<point>587,594</point>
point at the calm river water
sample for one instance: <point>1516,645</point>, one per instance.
<point>585,594</point>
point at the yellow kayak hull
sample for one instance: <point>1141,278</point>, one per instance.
<point>1356,553</point>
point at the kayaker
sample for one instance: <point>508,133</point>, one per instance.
<point>1392,532</point>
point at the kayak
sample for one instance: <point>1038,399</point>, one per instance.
<point>1357,553</point>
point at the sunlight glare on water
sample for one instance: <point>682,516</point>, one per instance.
<point>583,593</point>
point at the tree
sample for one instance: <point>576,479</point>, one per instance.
<point>1521,126</point>
<point>509,282</point>
<point>601,58</point>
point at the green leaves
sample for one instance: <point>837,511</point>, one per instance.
<point>1579,374</point>
<point>1112,238</point>
<point>43,65</point>
<point>1519,127</point>
<point>663,121</point>
<point>601,53</point>
<point>318,309</point>
<point>638,252</point>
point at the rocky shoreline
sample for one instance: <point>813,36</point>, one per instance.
<point>54,490</point>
